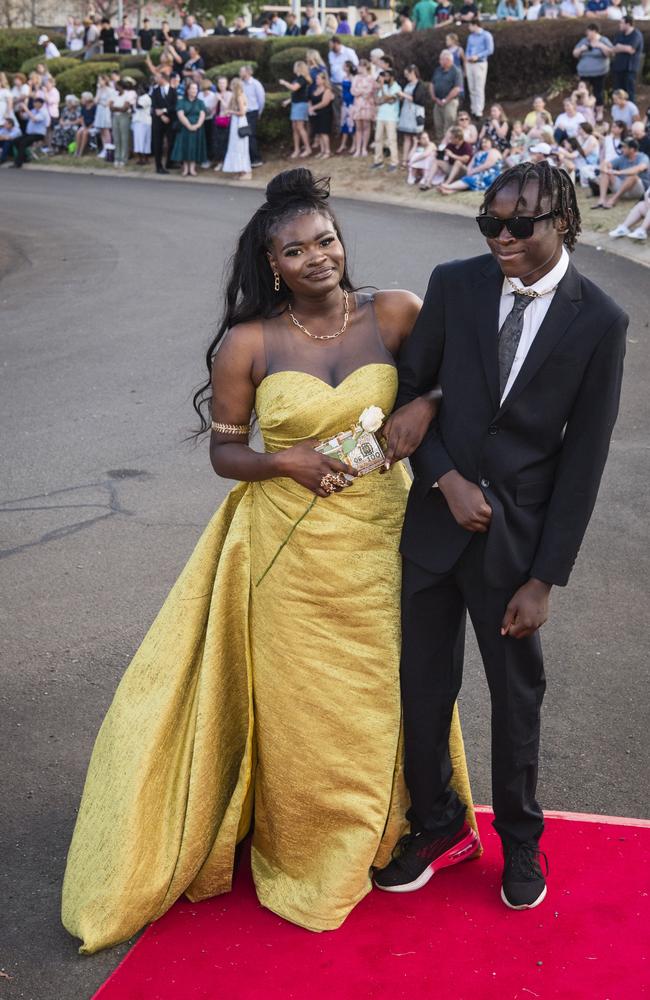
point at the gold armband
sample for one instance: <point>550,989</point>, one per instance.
<point>243,429</point>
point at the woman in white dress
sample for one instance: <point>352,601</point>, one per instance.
<point>141,124</point>
<point>237,159</point>
<point>103,117</point>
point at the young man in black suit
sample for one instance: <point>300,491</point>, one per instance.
<point>163,120</point>
<point>529,355</point>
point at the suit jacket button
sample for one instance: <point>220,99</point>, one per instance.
<point>493,429</point>
<point>485,483</point>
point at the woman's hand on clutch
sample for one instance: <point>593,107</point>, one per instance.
<point>406,427</point>
<point>310,468</point>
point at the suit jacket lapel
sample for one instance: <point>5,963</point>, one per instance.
<point>560,315</point>
<point>486,317</point>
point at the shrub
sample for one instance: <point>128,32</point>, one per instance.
<point>136,74</point>
<point>274,46</point>
<point>273,126</point>
<point>229,69</point>
<point>55,66</point>
<point>19,44</point>
<point>281,64</point>
<point>217,49</point>
<point>84,77</point>
<point>139,62</point>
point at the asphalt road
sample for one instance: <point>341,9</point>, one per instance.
<point>106,308</point>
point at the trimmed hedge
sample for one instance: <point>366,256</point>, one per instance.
<point>217,49</point>
<point>83,77</point>
<point>19,44</point>
<point>528,58</point>
<point>136,74</point>
<point>273,126</point>
<point>229,69</point>
<point>281,65</point>
<point>55,66</point>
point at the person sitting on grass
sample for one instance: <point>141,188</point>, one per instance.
<point>421,159</point>
<point>637,222</point>
<point>538,119</point>
<point>69,124</point>
<point>623,109</point>
<point>451,163</point>
<point>518,144</point>
<point>9,132</point>
<point>628,176</point>
<point>484,167</point>
<point>86,132</point>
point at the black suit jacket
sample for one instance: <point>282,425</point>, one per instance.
<point>163,101</point>
<point>538,457</point>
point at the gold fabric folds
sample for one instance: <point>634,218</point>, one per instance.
<point>282,694</point>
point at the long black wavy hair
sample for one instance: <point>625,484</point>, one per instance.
<point>249,286</point>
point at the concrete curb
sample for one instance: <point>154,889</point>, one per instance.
<point>600,241</point>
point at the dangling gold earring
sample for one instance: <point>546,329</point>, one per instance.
<point>276,283</point>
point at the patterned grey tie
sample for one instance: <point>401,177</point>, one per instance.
<point>509,337</point>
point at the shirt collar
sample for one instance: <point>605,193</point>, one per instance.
<point>550,280</point>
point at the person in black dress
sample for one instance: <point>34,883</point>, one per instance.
<point>321,114</point>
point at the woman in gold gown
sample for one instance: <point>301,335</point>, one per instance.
<point>265,695</point>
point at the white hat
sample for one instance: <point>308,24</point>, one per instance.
<point>87,96</point>
<point>541,147</point>
<point>43,39</point>
<point>71,99</point>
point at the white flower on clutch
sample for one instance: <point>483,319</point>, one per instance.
<point>372,418</point>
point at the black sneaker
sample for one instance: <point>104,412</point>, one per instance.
<point>523,886</point>
<point>418,856</point>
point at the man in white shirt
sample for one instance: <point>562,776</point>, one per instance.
<point>50,49</point>
<point>529,356</point>
<point>568,122</point>
<point>255,98</point>
<point>338,55</point>
<point>190,29</point>
<point>277,26</point>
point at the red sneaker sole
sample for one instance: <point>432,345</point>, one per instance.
<point>464,850</point>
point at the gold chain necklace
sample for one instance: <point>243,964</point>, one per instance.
<point>328,336</point>
<point>529,292</point>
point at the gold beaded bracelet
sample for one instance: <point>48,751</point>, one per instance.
<point>231,428</point>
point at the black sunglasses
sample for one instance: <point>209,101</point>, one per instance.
<point>521,227</point>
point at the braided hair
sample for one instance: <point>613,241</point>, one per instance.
<point>553,183</point>
<point>250,292</point>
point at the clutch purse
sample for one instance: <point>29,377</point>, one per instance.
<point>359,447</point>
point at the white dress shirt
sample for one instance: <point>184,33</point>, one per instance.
<point>338,59</point>
<point>534,314</point>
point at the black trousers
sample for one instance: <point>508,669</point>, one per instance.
<point>22,145</point>
<point>624,80</point>
<point>253,148</point>
<point>597,84</point>
<point>434,609</point>
<point>161,134</point>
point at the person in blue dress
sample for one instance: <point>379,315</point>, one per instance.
<point>484,167</point>
<point>347,100</point>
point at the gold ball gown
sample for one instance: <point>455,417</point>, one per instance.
<point>276,699</point>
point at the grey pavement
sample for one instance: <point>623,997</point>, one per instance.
<point>111,291</point>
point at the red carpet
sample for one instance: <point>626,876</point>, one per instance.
<point>453,940</point>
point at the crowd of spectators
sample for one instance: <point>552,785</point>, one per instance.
<point>187,121</point>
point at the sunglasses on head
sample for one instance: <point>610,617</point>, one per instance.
<point>521,227</point>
